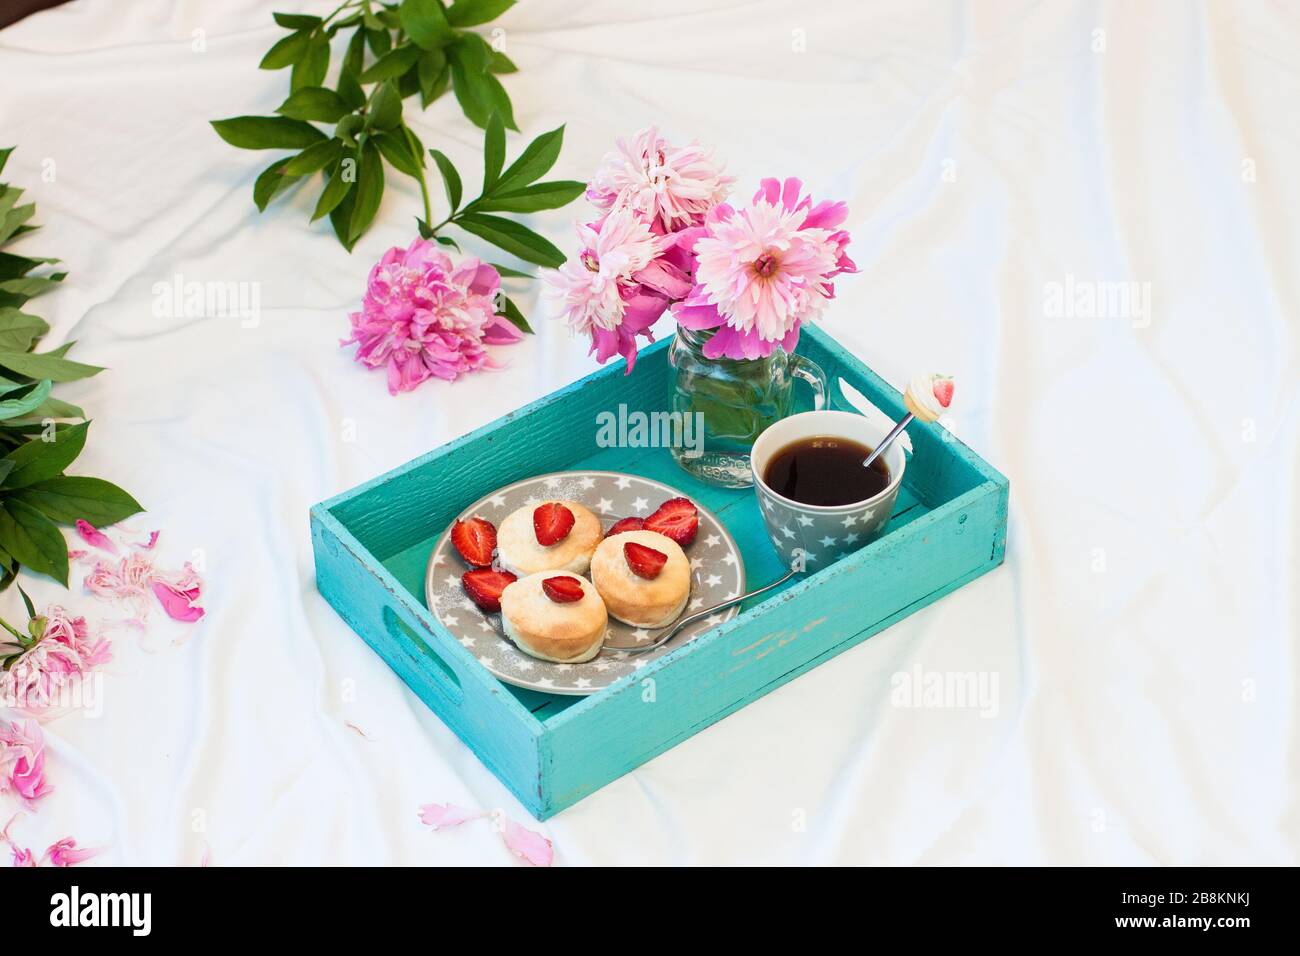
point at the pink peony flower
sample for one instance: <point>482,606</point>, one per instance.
<point>63,655</point>
<point>423,317</point>
<point>22,760</point>
<point>600,293</point>
<point>668,186</point>
<point>763,271</point>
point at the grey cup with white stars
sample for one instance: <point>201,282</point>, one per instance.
<point>825,533</point>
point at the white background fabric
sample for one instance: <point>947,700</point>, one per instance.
<point>1143,630</point>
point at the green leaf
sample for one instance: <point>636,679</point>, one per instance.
<point>355,57</point>
<point>314,157</point>
<point>494,151</point>
<point>27,602</point>
<point>511,312</point>
<point>28,287</point>
<point>15,267</point>
<point>534,162</point>
<point>397,150</point>
<point>378,38</point>
<point>512,237</point>
<point>286,52</point>
<point>67,498</point>
<point>340,184</point>
<point>433,75</point>
<point>500,100</point>
<point>349,127</point>
<point>18,330</point>
<point>470,13</point>
<point>33,540</point>
<point>450,178</point>
<point>369,192</point>
<point>351,90</point>
<point>271,182</point>
<point>385,106</point>
<point>297,21</point>
<point>500,63</point>
<point>425,23</point>
<point>472,51</point>
<point>340,216</point>
<point>315,63</point>
<point>14,219</point>
<point>551,195</point>
<point>267,132</point>
<point>39,460</point>
<point>15,405</point>
<point>393,63</point>
<point>4,157</point>
<point>314,103</point>
<point>507,273</point>
<point>50,408</point>
<point>472,93</point>
<point>49,366</point>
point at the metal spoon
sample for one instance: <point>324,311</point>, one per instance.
<point>673,629</point>
<point>888,440</point>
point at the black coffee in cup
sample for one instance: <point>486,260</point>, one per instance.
<point>826,470</point>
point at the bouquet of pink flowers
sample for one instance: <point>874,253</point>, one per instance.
<point>665,239</point>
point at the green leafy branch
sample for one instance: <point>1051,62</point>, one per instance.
<point>397,50</point>
<point>37,440</point>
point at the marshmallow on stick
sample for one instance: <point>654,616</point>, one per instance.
<point>928,396</point>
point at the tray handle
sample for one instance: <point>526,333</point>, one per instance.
<point>421,656</point>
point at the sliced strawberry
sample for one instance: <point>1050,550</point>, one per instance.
<point>943,386</point>
<point>644,562</point>
<point>552,522</point>
<point>626,524</point>
<point>484,587</point>
<point>475,539</point>
<point>562,590</point>
<point>676,518</point>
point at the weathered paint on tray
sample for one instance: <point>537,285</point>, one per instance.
<point>372,544</point>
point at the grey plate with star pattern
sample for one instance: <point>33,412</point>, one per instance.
<point>717,573</point>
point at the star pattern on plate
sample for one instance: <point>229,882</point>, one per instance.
<point>713,557</point>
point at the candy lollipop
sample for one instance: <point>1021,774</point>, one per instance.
<point>926,397</point>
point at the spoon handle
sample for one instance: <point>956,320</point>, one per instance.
<point>888,439</point>
<point>673,629</point>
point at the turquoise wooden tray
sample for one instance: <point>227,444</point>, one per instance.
<point>372,544</point>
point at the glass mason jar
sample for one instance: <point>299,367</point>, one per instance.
<point>729,402</point>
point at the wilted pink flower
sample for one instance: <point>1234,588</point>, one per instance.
<point>135,578</point>
<point>762,271</point>
<point>424,317</point>
<point>669,186</point>
<point>599,292</point>
<point>63,655</point>
<point>65,853</point>
<point>22,760</point>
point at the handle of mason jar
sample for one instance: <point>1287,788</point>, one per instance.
<point>811,373</point>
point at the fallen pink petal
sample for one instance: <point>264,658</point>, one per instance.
<point>179,593</point>
<point>94,537</point>
<point>441,815</point>
<point>526,844</point>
